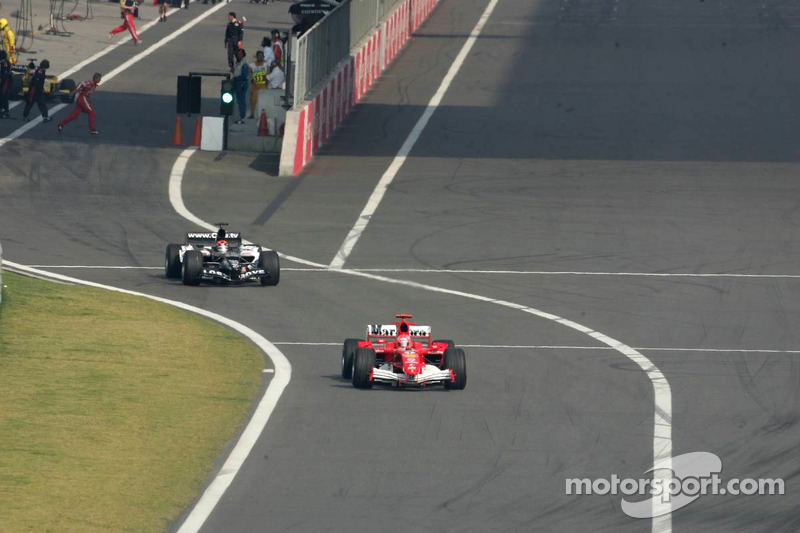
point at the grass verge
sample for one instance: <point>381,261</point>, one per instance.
<point>112,407</point>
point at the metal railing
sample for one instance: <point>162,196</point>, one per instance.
<point>316,53</point>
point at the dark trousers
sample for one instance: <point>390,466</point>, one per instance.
<point>232,47</point>
<point>241,99</point>
<point>36,98</point>
<point>4,88</point>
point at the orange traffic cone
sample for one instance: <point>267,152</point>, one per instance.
<point>263,131</point>
<point>198,132</point>
<point>177,136</point>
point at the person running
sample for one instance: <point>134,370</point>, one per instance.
<point>163,6</point>
<point>127,7</point>
<point>36,93</point>
<point>82,103</point>
<point>5,83</point>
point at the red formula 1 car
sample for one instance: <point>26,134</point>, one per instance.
<point>402,354</point>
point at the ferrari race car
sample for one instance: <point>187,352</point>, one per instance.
<point>53,88</point>
<point>402,354</point>
<point>223,257</point>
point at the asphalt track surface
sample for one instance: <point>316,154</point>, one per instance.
<point>614,137</point>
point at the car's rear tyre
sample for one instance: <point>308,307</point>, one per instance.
<point>456,360</point>
<point>348,352</point>
<point>192,267</point>
<point>269,261</point>
<point>450,344</point>
<point>67,85</point>
<point>363,363</point>
<point>172,261</point>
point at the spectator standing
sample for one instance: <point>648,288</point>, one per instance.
<point>233,38</point>
<point>277,47</point>
<point>36,93</point>
<point>126,8</point>
<point>258,77</point>
<point>241,75</point>
<point>82,103</point>
<point>276,77</point>
<point>5,83</point>
<point>269,55</point>
<point>9,42</point>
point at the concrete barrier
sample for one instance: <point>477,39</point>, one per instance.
<point>310,124</point>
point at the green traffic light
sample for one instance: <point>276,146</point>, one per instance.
<point>227,98</point>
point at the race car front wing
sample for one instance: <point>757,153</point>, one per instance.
<point>430,376</point>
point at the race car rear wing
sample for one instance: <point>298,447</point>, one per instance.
<point>210,238</point>
<point>383,333</point>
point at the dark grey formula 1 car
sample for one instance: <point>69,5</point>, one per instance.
<point>221,257</point>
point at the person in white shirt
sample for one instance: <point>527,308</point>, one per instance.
<point>276,77</point>
<point>269,55</point>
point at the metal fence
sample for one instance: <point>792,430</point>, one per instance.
<point>317,52</point>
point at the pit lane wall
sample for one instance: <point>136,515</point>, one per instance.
<point>310,124</point>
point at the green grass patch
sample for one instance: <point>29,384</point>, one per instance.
<point>112,407</point>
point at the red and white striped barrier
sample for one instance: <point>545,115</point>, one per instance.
<point>310,125</point>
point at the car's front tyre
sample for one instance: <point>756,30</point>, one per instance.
<point>456,360</point>
<point>269,261</point>
<point>192,267</point>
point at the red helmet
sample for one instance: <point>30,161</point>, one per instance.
<point>222,246</point>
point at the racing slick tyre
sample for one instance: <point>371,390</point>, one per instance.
<point>456,360</point>
<point>172,261</point>
<point>348,351</point>
<point>192,267</point>
<point>269,261</point>
<point>363,363</point>
<point>67,85</point>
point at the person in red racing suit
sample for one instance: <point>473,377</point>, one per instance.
<point>82,103</point>
<point>127,7</point>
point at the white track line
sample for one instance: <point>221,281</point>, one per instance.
<point>388,176</point>
<point>256,424</point>
<point>662,394</point>
<point>107,77</point>
<point>179,201</point>
<point>557,347</point>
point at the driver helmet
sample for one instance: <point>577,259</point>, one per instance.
<point>3,24</point>
<point>222,246</point>
<point>404,342</point>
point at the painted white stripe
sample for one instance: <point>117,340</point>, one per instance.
<point>256,424</point>
<point>98,267</point>
<point>662,394</point>
<point>377,195</point>
<point>570,273</point>
<point>448,271</point>
<point>113,73</point>
<point>564,347</point>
